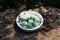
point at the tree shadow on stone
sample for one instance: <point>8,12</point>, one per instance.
<point>34,33</point>
<point>24,35</point>
<point>46,29</point>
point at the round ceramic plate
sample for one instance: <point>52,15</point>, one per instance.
<point>35,28</point>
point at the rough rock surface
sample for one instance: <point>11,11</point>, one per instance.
<point>50,30</point>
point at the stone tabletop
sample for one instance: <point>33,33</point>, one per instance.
<point>50,30</point>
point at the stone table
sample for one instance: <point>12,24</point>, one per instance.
<point>50,30</point>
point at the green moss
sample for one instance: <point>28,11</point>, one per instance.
<point>34,3</point>
<point>3,5</point>
<point>55,3</point>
